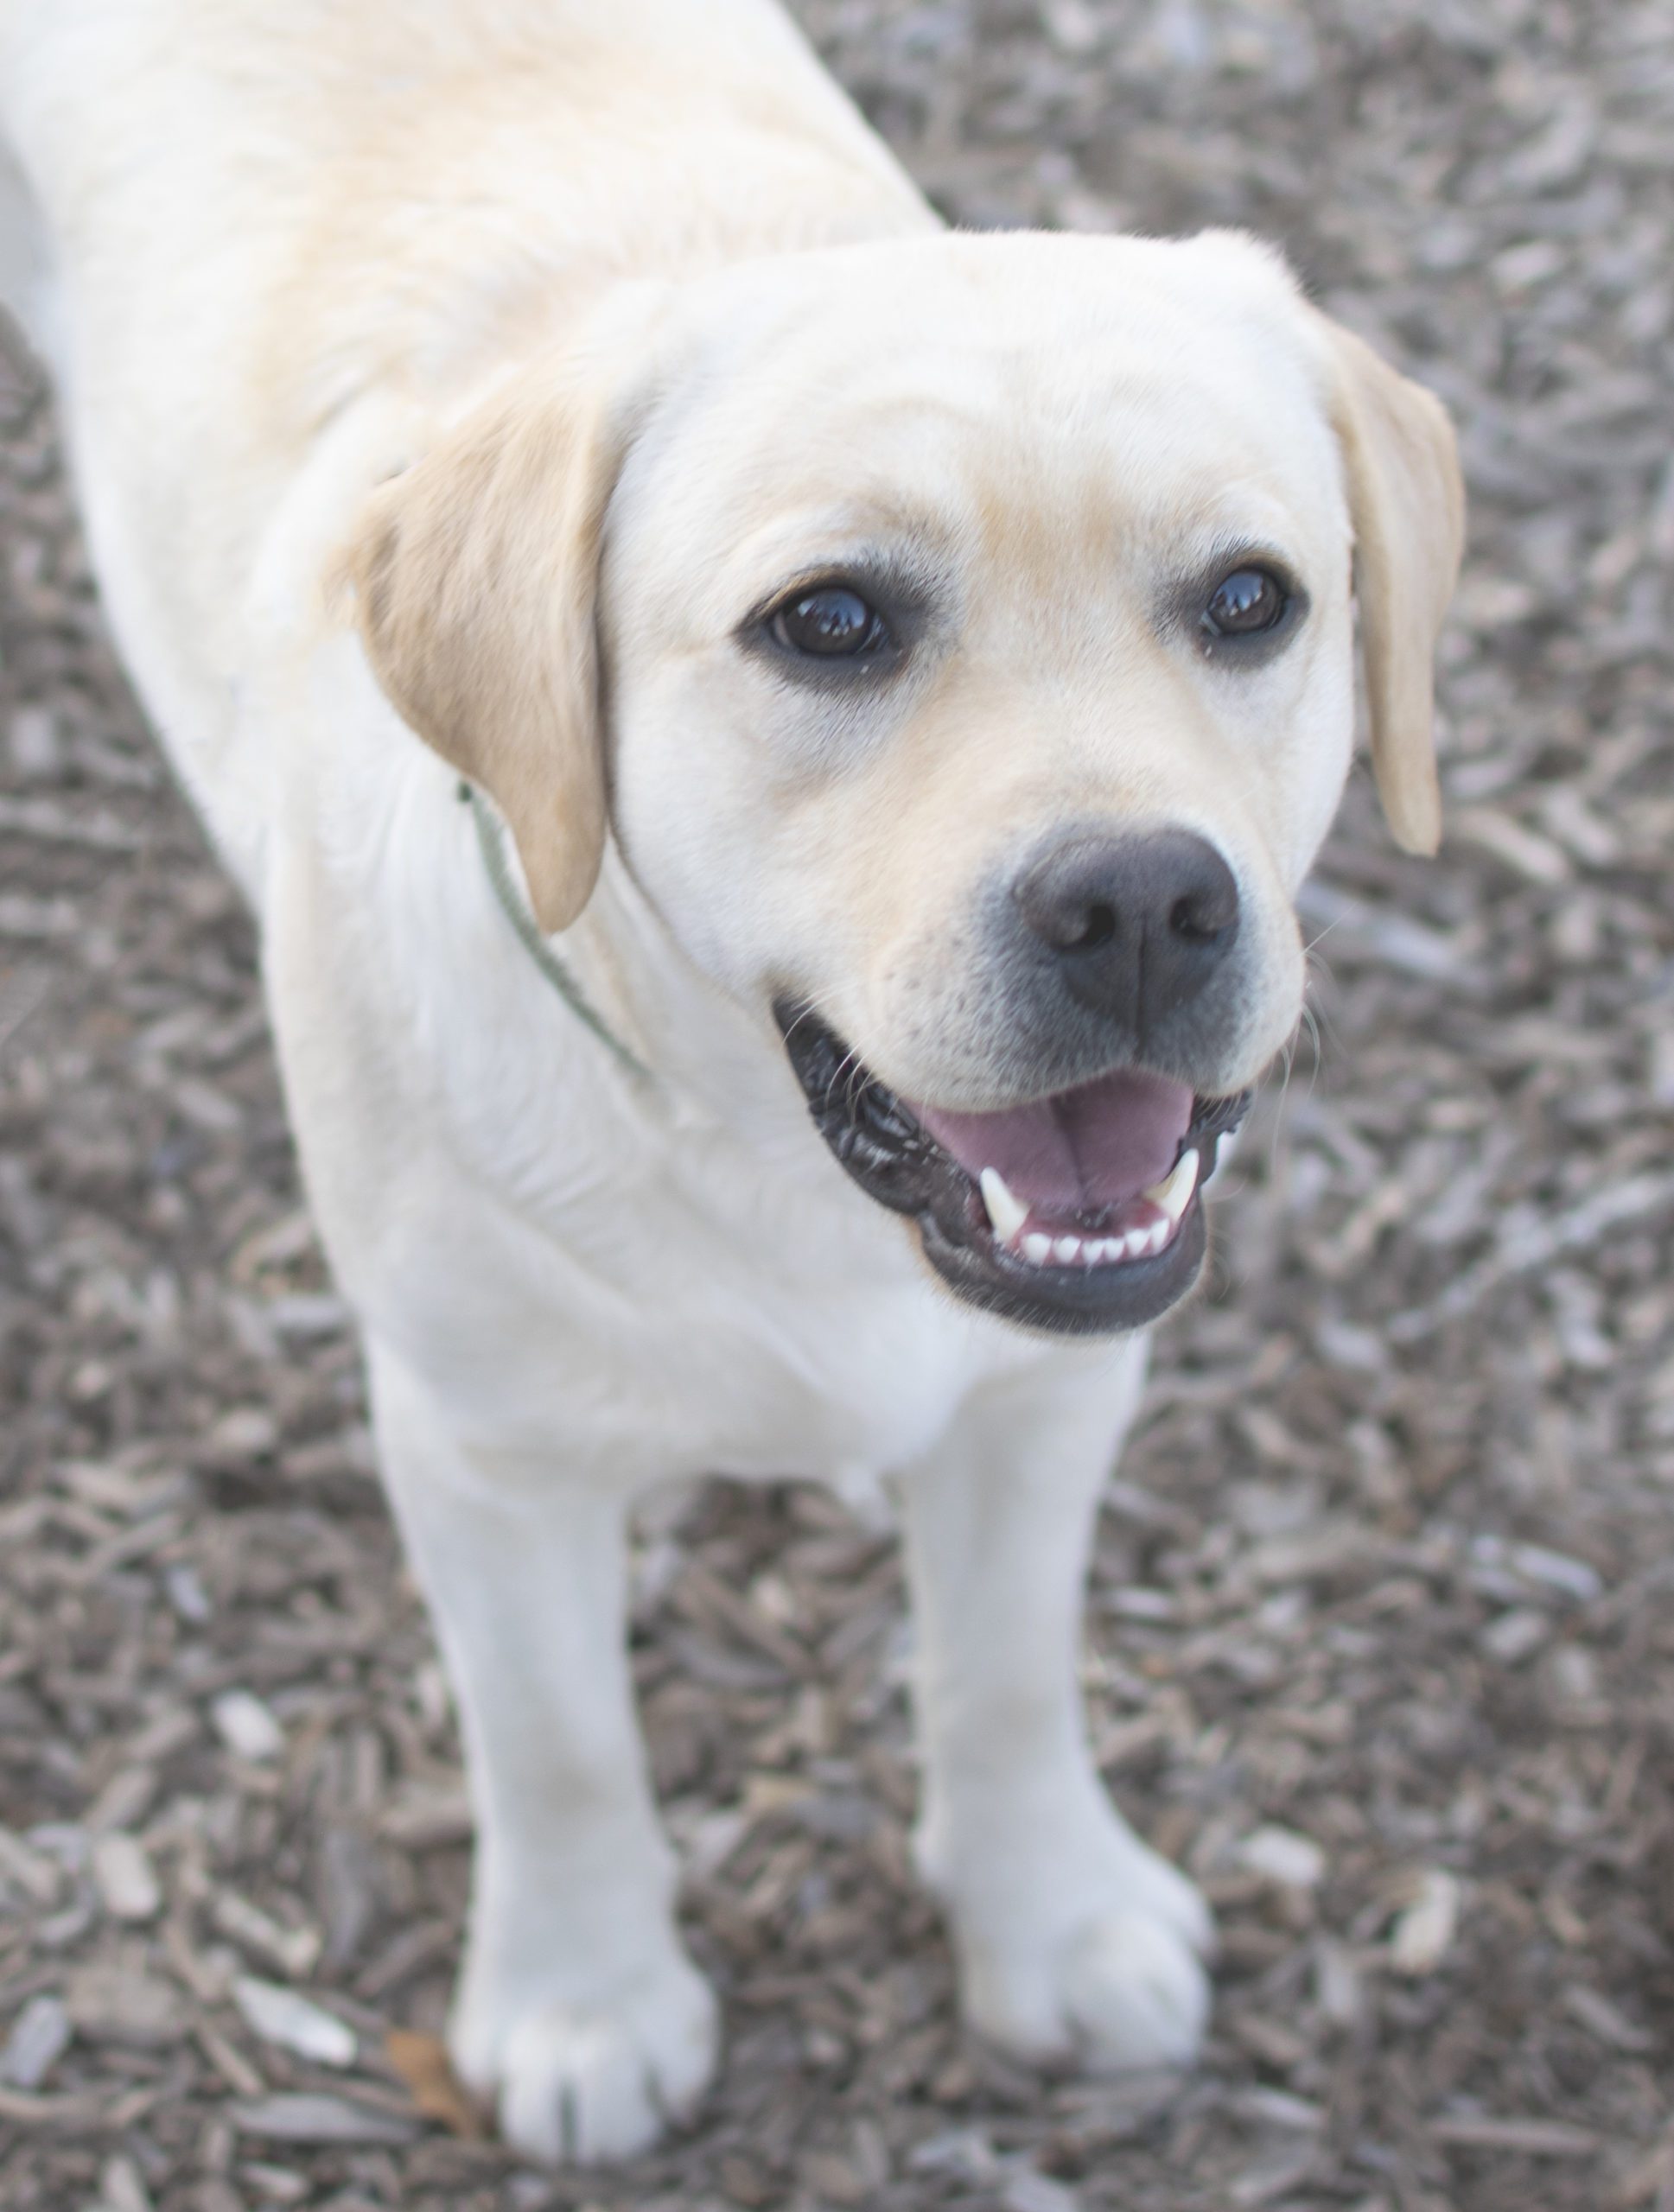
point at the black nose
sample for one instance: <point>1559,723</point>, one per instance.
<point>1137,926</point>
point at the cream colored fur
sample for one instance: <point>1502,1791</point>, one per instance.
<point>473,368</point>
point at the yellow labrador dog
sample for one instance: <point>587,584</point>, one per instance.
<point>878,692</point>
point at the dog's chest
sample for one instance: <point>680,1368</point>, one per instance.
<point>695,1314</point>
<point>807,1339</point>
<point>841,1388</point>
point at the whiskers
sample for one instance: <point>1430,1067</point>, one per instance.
<point>849,1071</point>
<point>1312,1025</point>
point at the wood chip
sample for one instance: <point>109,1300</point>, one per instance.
<point>127,1881</point>
<point>121,2186</point>
<point>246,1726</point>
<point>1282,1855</point>
<point>281,2015</point>
<point>1423,1932</point>
<point>304,2117</point>
<point>40,2036</point>
<point>293,1950</point>
<point>422,2063</point>
<point>117,2004</point>
<point>1536,2139</point>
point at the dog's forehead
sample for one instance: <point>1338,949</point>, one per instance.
<point>974,384</point>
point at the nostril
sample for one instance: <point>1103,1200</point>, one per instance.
<point>1198,920</point>
<point>1097,929</point>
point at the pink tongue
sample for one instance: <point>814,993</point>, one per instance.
<point>1079,1150</point>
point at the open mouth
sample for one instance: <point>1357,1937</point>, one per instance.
<point>1079,1211</point>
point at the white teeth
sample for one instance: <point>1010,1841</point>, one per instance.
<point>1171,1198</point>
<point>1174,1193</point>
<point>1003,1210</point>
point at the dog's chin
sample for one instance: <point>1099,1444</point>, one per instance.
<point>1093,1269</point>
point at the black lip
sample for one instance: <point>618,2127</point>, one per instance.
<point>895,1161</point>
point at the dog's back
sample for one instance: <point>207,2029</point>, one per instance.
<point>358,186</point>
<point>265,215</point>
<point>264,209</point>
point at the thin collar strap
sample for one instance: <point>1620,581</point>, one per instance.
<point>493,848</point>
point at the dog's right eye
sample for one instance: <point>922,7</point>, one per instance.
<point>833,623</point>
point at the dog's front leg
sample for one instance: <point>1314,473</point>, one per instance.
<point>1074,1939</point>
<point>578,2010</point>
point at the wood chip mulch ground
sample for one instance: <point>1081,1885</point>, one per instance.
<point>1382,1638</point>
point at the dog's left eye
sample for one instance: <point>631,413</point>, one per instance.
<point>832,623</point>
<point>1244,603</point>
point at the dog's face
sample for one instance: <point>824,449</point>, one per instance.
<point>976,630</point>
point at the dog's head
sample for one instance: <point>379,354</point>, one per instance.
<point>956,634</point>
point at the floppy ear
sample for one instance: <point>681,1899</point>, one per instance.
<point>1407,503</point>
<point>476,573</point>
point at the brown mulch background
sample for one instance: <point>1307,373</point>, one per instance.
<point>1381,1643</point>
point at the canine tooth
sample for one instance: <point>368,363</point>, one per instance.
<point>1037,1249</point>
<point>1174,1193</point>
<point>1067,1249</point>
<point>1003,1210</point>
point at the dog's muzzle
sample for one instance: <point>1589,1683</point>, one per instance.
<point>1079,1212</point>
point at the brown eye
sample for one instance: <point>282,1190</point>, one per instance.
<point>1248,600</point>
<point>832,623</point>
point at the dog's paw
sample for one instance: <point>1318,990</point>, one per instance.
<point>578,2082</point>
<point>1131,1993</point>
<point>1123,1990</point>
<point>1100,1967</point>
